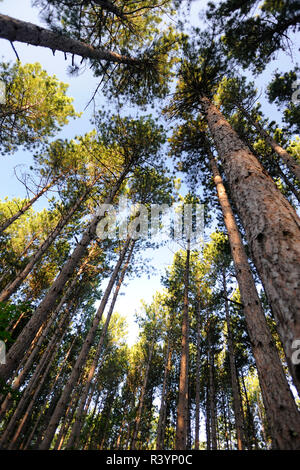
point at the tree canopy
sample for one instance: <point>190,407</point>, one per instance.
<point>150,262</point>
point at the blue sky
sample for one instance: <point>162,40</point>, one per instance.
<point>81,89</point>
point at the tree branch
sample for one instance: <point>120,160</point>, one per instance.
<point>29,33</point>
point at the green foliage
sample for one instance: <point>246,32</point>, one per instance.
<point>253,31</point>
<point>202,67</point>
<point>133,145</point>
<point>9,314</point>
<point>36,106</point>
<point>137,29</point>
<point>281,91</point>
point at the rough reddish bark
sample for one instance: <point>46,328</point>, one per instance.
<point>63,401</point>
<point>198,373</point>
<point>48,303</point>
<point>212,390</point>
<point>33,387</point>
<point>163,404</point>
<point>78,420</point>
<point>182,405</point>
<point>272,227</point>
<point>141,399</point>
<point>237,404</point>
<point>281,410</point>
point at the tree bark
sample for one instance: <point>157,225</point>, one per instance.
<point>163,404</point>
<point>272,227</point>
<point>198,371</point>
<point>224,413</point>
<point>34,385</point>
<point>237,404</point>
<point>67,420</point>
<point>212,390</point>
<point>15,284</point>
<point>141,399</point>
<point>281,409</point>
<point>22,31</point>
<point>78,420</point>
<point>19,380</point>
<point>290,162</point>
<point>207,420</point>
<point>251,431</point>
<point>41,380</point>
<point>41,313</point>
<point>62,403</point>
<point>38,419</point>
<point>182,405</point>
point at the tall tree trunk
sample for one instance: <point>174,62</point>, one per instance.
<point>105,416</point>
<point>41,313</point>
<point>281,409</point>
<point>287,182</point>
<point>38,419</point>
<point>285,179</point>
<point>189,425</point>
<point>182,405</point>
<point>62,403</point>
<point>251,431</point>
<point>228,414</point>
<point>90,431</point>
<point>26,366</point>
<point>163,403</point>
<point>86,407</point>
<point>237,404</point>
<point>19,380</point>
<point>67,419</point>
<point>212,390</point>
<point>26,206</point>
<point>41,381</point>
<point>142,396</point>
<point>35,383</point>
<point>46,417</point>
<point>118,445</point>
<point>198,373</point>
<point>208,417</point>
<point>272,227</point>
<point>15,284</point>
<point>262,421</point>
<point>78,420</point>
<point>22,31</point>
<point>290,162</point>
<point>224,412</point>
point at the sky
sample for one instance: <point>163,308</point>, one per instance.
<point>81,88</point>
